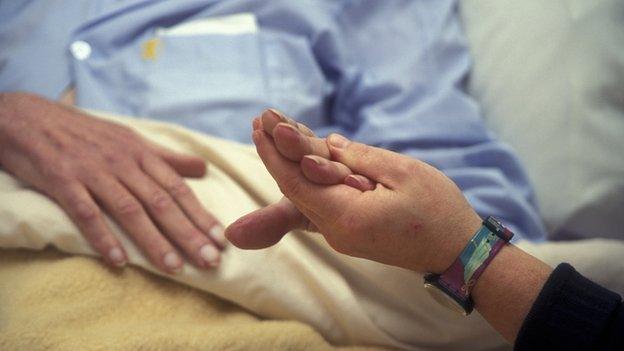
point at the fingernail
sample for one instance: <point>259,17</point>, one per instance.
<point>283,117</point>
<point>359,182</point>
<point>173,261</point>
<point>304,129</point>
<point>210,254</point>
<point>352,181</point>
<point>338,141</point>
<point>117,256</point>
<point>255,123</point>
<point>288,129</point>
<point>217,233</point>
<point>316,159</point>
<point>256,135</point>
<point>279,114</point>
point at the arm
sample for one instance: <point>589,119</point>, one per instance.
<point>504,295</point>
<point>423,203</point>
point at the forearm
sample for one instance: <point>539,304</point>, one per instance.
<point>507,289</point>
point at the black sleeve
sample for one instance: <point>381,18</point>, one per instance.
<point>573,313</point>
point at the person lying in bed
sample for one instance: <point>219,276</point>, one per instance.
<point>386,73</point>
<point>379,205</point>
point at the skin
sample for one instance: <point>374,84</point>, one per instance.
<point>393,214</point>
<point>91,167</point>
<point>271,223</point>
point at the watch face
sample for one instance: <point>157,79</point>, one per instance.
<point>442,298</point>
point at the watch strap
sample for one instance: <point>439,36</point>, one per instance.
<point>458,280</point>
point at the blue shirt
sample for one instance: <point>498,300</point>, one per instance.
<point>389,73</point>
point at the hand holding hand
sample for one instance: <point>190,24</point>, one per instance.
<point>415,217</point>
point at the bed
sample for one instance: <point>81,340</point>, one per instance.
<point>550,79</point>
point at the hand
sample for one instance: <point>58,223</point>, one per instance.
<point>271,223</point>
<point>88,166</point>
<point>414,218</point>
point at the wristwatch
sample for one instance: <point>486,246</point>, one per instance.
<point>452,288</point>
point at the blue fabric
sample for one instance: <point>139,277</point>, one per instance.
<point>388,73</point>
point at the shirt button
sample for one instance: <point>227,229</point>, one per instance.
<point>80,49</point>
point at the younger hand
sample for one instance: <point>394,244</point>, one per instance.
<point>414,218</point>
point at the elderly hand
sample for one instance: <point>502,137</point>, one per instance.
<point>415,217</point>
<point>88,165</point>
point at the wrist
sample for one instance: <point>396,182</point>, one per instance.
<point>453,287</point>
<point>455,237</point>
<point>504,295</point>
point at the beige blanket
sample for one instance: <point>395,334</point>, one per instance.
<point>49,300</point>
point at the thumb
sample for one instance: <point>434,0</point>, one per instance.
<point>378,164</point>
<point>266,227</point>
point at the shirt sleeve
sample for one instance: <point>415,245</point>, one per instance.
<point>34,42</point>
<point>573,313</point>
<point>401,86</point>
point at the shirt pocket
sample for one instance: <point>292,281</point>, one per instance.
<point>217,82</point>
<point>203,79</point>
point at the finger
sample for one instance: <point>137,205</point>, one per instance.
<point>266,227</point>
<point>359,182</point>
<point>171,219</point>
<point>317,176</point>
<point>315,201</point>
<point>322,171</point>
<point>272,117</point>
<point>127,211</point>
<point>78,204</point>
<point>184,196</point>
<point>379,165</point>
<point>257,123</point>
<point>185,165</point>
<point>305,130</point>
<point>294,145</point>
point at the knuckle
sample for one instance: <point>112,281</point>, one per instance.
<point>113,158</point>
<point>58,175</point>
<point>127,206</point>
<point>412,168</point>
<point>192,236</point>
<point>100,241</point>
<point>178,188</point>
<point>160,201</point>
<point>60,178</point>
<point>142,157</point>
<point>83,210</point>
<point>404,170</point>
<point>95,177</point>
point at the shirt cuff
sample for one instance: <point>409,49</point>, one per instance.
<point>570,313</point>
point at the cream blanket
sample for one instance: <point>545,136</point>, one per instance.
<point>48,300</point>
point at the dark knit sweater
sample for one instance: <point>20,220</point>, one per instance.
<point>573,313</point>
